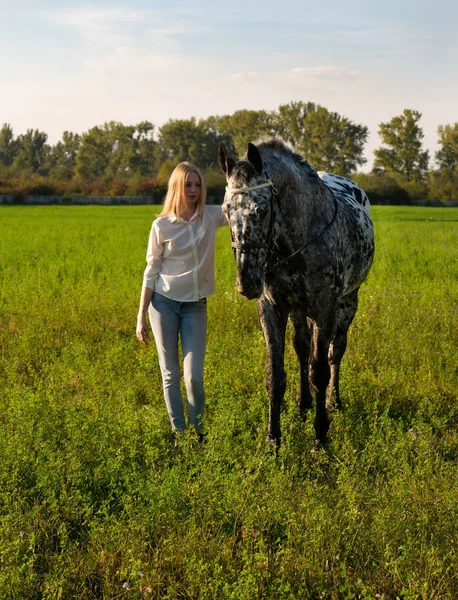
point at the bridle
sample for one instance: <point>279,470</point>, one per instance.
<point>250,245</point>
<point>269,245</point>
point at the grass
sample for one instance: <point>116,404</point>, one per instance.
<point>96,503</point>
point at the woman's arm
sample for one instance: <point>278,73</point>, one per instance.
<point>154,259</point>
<point>142,326</point>
<point>216,212</point>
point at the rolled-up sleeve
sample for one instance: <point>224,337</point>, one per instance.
<point>154,256</point>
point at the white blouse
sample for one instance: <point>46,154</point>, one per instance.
<point>181,255</point>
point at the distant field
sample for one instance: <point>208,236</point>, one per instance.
<point>96,503</point>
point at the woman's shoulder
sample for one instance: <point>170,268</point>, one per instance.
<point>213,210</point>
<point>164,219</point>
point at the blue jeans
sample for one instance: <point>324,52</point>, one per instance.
<point>170,320</point>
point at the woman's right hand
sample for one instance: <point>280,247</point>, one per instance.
<point>142,329</point>
<point>142,326</point>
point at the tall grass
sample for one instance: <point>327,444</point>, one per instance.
<point>95,502</point>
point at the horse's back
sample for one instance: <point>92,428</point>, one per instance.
<point>346,190</point>
<point>354,229</point>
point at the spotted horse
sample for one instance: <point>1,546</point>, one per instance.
<point>303,243</point>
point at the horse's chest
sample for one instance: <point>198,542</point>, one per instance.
<point>305,284</point>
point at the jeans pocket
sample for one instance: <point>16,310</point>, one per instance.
<point>160,302</point>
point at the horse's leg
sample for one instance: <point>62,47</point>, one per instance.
<point>273,321</point>
<point>301,342</point>
<point>320,374</point>
<point>345,314</point>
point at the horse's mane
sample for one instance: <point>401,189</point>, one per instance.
<point>279,145</point>
<point>271,146</point>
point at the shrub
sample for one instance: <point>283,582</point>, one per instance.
<point>382,188</point>
<point>150,187</point>
<point>118,187</point>
<point>60,174</point>
<point>99,187</point>
<point>443,186</point>
<point>42,188</point>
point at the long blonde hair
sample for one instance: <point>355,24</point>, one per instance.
<point>175,199</point>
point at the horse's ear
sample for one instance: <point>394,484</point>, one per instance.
<point>254,157</point>
<point>226,163</point>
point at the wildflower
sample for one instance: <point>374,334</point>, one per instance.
<point>414,433</point>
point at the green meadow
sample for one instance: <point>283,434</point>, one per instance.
<point>95,501</point>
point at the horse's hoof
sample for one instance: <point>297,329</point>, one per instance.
<point>318,445</point>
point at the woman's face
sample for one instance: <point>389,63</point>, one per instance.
<point>192,187</point>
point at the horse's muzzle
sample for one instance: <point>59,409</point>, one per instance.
<point>250,271</point>
<point>249,291</point>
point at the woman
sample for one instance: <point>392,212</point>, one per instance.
<point>177,281</point>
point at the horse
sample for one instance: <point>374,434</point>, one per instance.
<point>303,242</point>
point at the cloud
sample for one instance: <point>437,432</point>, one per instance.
<point>306,74</point>
<point>109,24</point>
<point>85,19</point>
<point>325,72</point>
<point>299,80</point>
<point>124,40</point>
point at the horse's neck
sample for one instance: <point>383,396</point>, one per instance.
<point>304,203</point>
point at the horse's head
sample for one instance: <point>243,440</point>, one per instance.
<point>248,207</point>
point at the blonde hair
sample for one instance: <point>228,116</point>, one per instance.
<point>175,199</point>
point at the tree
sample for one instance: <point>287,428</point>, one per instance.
<point>404,154</point>
<point>192,140</point>
<point>447,156</point>
<point>444,181</point>
<point>116,150</point>
<point>246,126</point>
<point>33,151</point>
<point>180,140</point>
<point>62,157</point>
<point>331,142</point>
<point>8,145</point>
<point>94,154</point>
<point>212,137</point>
<point>145,157</point>
<point>289,121</point>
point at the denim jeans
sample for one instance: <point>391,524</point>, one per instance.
<point>171,320</point>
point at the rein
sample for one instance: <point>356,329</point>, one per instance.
<point>331,222</point>
<point>268,244</point>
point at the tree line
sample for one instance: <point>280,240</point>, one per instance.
<point>118,159</point>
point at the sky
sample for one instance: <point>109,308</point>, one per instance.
<point>68,65</point>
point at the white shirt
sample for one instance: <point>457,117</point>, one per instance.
<point>181,255</point>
